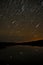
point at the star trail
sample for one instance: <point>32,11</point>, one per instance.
<point>21,20</point>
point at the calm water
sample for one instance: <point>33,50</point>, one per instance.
<point>21,53</point>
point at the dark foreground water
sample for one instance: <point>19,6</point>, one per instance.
<point>21,54</point>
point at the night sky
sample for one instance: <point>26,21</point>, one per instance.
<point>21,20</point>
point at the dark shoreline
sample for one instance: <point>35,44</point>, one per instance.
<point>33,43</point>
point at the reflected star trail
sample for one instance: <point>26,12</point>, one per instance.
<point>21,20</point>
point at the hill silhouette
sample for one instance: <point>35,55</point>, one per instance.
<point>33,43</point>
